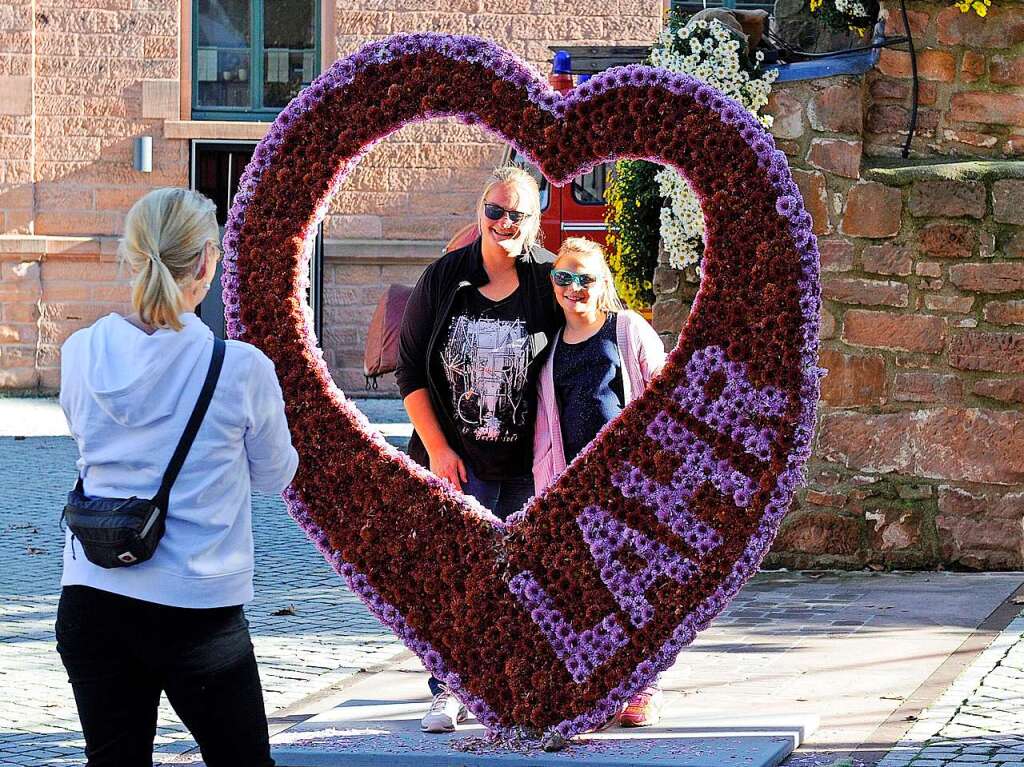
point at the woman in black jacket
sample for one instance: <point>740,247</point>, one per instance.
<point>475,333</point>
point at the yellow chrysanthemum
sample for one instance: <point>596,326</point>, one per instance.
<point>980,7</point>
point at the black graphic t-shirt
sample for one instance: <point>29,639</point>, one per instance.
<point>588,385</point>
<point>485,358</point>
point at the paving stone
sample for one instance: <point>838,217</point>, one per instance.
<point>330,637</point>
<point>977,720</point>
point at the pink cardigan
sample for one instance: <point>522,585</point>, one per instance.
<point>642,356</point>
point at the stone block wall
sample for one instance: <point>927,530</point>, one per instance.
<point>16,133</point>
<point>919,452</point>
<point>920,447</point>
<point>423,179</point>
<point>49,288</point>
<point>354,281</point>
<point>78,82</point>
<point>87,75</point>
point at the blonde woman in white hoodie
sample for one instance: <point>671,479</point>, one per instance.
<point>173,623</point>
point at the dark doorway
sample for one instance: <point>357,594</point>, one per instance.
<point>217,167</point>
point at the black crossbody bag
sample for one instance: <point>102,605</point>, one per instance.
<point>118,532</point>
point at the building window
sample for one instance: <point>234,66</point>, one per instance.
<point>589,189</point>
<point>251,57</point>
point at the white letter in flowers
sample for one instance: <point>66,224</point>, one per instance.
<point>732,411</point>
<point>606,536</point>
<point>581,652</point>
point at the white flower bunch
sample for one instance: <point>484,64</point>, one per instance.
<point>710,52</point>
<point>852,8</point>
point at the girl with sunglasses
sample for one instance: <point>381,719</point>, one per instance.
<point>474,335</point>
<point>602,360</point>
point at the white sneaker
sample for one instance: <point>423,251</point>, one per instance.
<point>446,711</point>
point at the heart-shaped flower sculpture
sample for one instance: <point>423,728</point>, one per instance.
<point>548,622</point>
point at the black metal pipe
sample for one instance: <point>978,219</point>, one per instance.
<point>916,83</point>
<point>884,43</point>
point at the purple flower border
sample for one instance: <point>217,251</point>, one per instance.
<point>509,67</point>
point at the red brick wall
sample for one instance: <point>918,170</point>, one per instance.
<point>919,453</point>
<point>921,407</point>
<point>971,70</point>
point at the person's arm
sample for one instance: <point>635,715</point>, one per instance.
<point>542,441</point>
<point>411,375</point>
<point>417,324</point>
<point>268,443</point>
<point>65,384</point>
<point>651,350</point>
<point>444,461</point>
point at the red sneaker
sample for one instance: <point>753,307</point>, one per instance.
<point>643,709</point>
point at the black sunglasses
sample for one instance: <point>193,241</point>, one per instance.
<point>495,212</point>
<point>564,278</point>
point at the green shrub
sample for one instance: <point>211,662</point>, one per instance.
<point>633,218</point>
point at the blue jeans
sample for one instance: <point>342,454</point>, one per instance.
<point>501,496</point>
<point>120,653</point>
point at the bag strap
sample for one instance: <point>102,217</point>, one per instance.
<point>162,498</point>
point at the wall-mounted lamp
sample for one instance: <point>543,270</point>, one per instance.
<point>143,160</point>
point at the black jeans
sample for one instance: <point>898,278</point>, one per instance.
<point>120,653</point>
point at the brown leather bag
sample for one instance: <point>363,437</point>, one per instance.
<point>381,353</point>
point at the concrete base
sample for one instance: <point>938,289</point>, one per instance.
<point>378,724</point>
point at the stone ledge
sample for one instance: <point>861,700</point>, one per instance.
<point>973,170</point>
<point>71,247</point>
<point>382,252</point>
<point>355,252</point>
<point>215,129</point>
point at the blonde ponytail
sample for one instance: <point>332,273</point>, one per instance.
<point>165,236</point>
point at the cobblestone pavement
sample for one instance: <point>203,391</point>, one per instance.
<point>325,635</point>
<point>979,719</point>
<point>329,636</point>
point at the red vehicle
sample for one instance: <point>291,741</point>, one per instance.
<point>574,210</point>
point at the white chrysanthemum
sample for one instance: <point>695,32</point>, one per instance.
<point>714,57</point>
<point>852,8</point>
